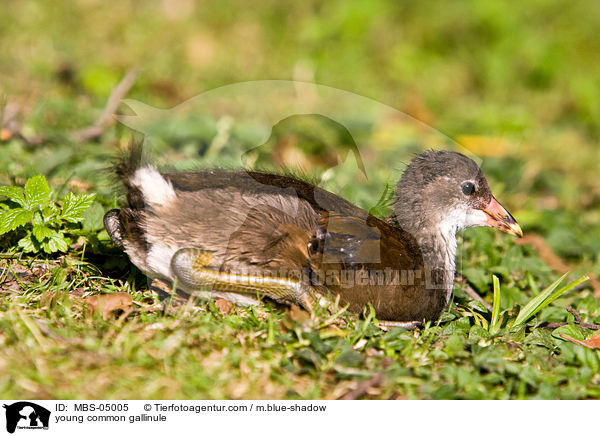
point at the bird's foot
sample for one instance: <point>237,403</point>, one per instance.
<point>408,325</point>
<point>191,267</point>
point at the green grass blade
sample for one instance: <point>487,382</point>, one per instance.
<point>562,291</point>
<point>530,308</point>
<point>544,298</point>
<point>494,326</point>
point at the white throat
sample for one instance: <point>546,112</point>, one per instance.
<point>439,255</point>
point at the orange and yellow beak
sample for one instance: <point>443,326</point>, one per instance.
<point>499,218</point>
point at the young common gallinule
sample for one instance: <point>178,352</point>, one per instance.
<point>246,235</point>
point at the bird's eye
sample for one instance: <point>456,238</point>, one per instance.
<point>468,188</point>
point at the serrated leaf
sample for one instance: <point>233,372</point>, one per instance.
<point>27,244</point>
<point>14,193</point>
<point>49,246</point>
<point>57,243</point>
<point>37,192</point>
<point>14,218</point>
<point>571,330</point>
<point>74,206</point>
<point>41,232</point>
<point>541,337</point>
<point>50,210</point>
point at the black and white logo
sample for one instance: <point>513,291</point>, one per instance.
<point>26,415</point>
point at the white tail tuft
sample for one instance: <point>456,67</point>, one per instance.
<point>155,188</point>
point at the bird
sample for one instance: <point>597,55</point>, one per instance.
<point>246,236</point>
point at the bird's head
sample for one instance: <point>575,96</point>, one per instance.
<point>446,191</point>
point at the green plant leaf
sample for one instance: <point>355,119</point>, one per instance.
<point>562,291</point>
<point>50,210</point>
<point>495,325</point>
<point>41,232</point>
<point>27,244</point>
<point>58,243</point>
<point>37,192</point>
<point>74,206</point>
<point>544,298</point>
<point>43,214</point>
<point>381,208</point>
<point>14,218</point>
<point>14,193</point>
<point>37,219</point>
<point>93,218</point>
<point>572,330</point>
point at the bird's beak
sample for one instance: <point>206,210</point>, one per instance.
<point>499,218</point>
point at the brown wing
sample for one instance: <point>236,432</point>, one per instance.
<point>367,261</point>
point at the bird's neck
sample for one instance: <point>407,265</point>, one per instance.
<point>438,248</point>
<point>439,255</point>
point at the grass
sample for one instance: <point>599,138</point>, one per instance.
<point>52,349</point>
<point>515,84</point>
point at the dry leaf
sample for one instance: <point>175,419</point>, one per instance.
<point>294,315</point>
<point>159,285</point>
<point>360,344</point>
<point>593,342</point>
<point>108,303</point>
<point>297,314</point>
<point>364,387</point>
<point>223,305</point>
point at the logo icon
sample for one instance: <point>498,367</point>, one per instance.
<point>26,415</point>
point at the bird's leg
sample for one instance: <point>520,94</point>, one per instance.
<point>192,269</point>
